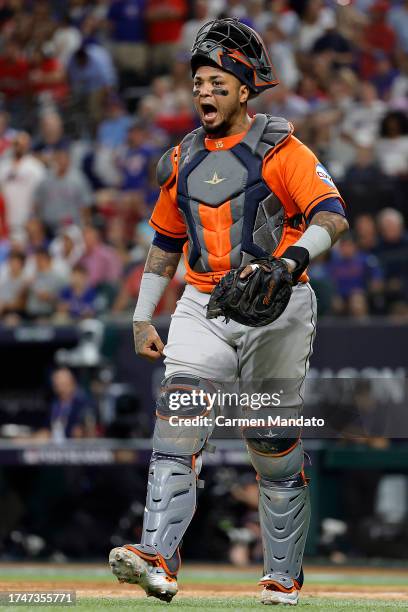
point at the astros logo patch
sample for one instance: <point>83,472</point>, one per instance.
<point>324,175</point>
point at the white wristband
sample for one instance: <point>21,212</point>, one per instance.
<point>152,287</point>
<point>316,240</point>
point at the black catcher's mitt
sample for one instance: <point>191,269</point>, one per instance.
<point>256,300</point>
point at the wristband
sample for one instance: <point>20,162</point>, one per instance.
<point>300,256</point>
<point>315,241</point>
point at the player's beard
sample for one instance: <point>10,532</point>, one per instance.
<point>216,130</point>
<point>221,129</point>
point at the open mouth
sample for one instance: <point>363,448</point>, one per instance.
<point>209,111</point>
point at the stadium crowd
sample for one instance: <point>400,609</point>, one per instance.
<point>92,94</point>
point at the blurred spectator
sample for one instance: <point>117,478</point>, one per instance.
<point>281,14</point>
<point>77,11</point>
<point>92,76</point>
<point>392,251</point>
<point>353,272</point>
<point>366,233</point>
<point>234,8</point>
<point>44,289</point>
<point>378,36</point>
<point>281,50</point>
<point>358,306</point>
<point>36,236</point>
<point>67,249</point>
<point>20,175</point>
<point>72,413</point>
<point>384,75</point>
<point>398,20</point>
<point>399,89</point>
<point>100,260</point>
<point>47,75</point>
<point>282,102</point>
<point>165,19</point>
<point>127,30</point>
<point>77,300</point>
<point>118,236</point>
<point>257,16</point>
<point>134,160</point>
<point>315,20</point>
<point>64,196</point>
<point>113,129</point>
<point>14,70</point>
<point>322,283</point>
<point>7,134</point>
<point>190,28</point>
<point>365,188</point>
<point>13,289</point>
<point>66,40</point>
<point>50,137</point>
<point>333,48</point>
<point>362,121</point>
<point>392,147</point>
<point>174,108</point>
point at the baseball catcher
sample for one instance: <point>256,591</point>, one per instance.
<point>249,206</point>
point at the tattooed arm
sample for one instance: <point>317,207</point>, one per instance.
<point>333,223</point>
<point>324,229</point>
<point>159,270</point>
<point>162,263</point>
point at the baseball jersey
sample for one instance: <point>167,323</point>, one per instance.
<point>238,197</point>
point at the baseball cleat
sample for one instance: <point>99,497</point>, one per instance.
<point>129,567</point>
<point>279,589</point>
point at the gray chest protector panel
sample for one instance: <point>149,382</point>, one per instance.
<point>223,192</point>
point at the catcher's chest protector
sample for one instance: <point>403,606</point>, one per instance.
<point>231,214</point>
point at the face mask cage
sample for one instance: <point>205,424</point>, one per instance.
<point>240,42</point>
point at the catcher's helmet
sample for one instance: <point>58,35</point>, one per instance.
<point>236,48</point>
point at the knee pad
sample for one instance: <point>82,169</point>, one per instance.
<point>276,458</point>
<point>183,399</point>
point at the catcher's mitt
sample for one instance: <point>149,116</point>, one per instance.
<point>256,300</point>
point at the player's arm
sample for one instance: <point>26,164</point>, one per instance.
<point>334,224</point>
<point>324,230</point>
<point>162,260</point>
<point>314,192</point>
<point>160,268</point>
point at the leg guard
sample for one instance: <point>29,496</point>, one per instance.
<point>173,472</point>
<point>284,511</point>
<point>170,503</point>
<point>284,506</point>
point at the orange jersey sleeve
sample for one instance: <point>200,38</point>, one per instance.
<point>166,217</point>
<point>302,180</point>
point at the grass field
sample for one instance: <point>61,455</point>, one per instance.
<point>211,588</point>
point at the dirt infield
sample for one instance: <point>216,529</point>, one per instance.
<point>95,590</point>
<point>190,588</point>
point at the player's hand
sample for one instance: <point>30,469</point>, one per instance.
<point>247,271</point>
<point>148,343</point>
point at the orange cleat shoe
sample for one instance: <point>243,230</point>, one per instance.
<point>279,589</point>
<point>151,572</point>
